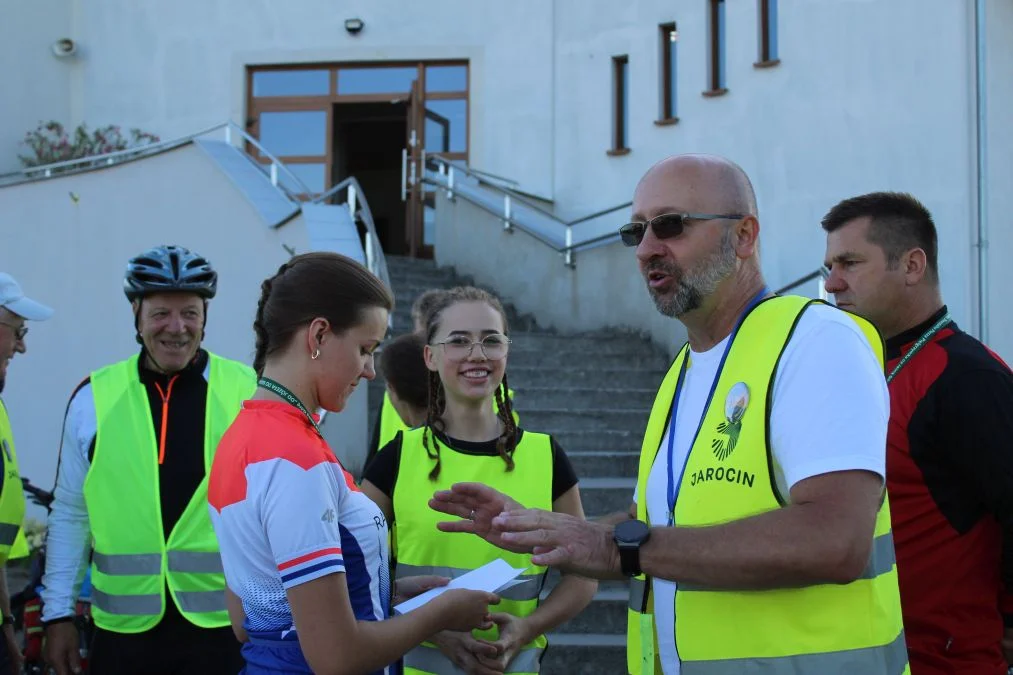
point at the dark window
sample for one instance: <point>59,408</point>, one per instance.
<point>768,32</point>
<point>620,103</point>
<point>669,37</point>
<point>716,62</point>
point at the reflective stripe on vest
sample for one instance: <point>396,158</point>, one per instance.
<point>134,561</point>
<point>422,549</point>
<point>12,496</point>
<point>795,630</point>
<point>427,659</point>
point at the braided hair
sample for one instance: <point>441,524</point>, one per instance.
<point>311,285</point>
<point>506,443</point>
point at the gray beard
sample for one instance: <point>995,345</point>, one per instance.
<point>692,287</point>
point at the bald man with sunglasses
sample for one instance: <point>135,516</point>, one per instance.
<point>759,539</point>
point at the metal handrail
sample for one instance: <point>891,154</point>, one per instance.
<point>480,177</point>
<point>110,156</point>
<point>108,159</point>
<point>820,275</point>
<point>376,260</point>
<point>448,168</point>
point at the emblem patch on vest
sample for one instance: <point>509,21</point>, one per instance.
<point>728,431</point>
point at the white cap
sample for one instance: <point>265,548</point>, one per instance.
<point>13,299</point>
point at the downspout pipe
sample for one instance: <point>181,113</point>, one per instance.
<point>981,139</point>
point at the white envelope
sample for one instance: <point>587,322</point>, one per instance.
<point>492,577</point>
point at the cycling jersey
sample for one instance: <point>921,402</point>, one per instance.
<point>286,513</point>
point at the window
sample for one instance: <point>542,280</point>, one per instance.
<point>716,62</point>
<point>292,111</point>
<point>768,34</point>
<point>620,105</point>
<point>668,39</point>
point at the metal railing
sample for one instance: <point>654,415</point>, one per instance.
<point>449,170</point>
<point>296,190</point>
<point>274,170</point>
<point>818,275</point>
<point>358,209</point>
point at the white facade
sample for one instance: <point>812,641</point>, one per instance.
<point>869,95</point>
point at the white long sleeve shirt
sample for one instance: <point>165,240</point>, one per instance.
<point>69,540</point>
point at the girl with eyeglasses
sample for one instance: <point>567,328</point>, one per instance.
<point>466,438</point>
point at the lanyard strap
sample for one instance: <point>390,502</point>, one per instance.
<point>289,397</point>
<point>919,343</point>
<point>674,485</point>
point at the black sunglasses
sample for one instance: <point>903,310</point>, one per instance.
<point>667,225</point>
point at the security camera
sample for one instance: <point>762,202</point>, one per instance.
<point>354,26</point>
<point>64,47</point>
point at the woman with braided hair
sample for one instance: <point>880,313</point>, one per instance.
<point>465,438</point>
<point>305,552</point>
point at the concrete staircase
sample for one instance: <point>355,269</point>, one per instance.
<point>593,393</point>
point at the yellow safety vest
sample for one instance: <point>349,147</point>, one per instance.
<point>422,549</point>
<point>391,422</point>
<point>133,560</point>
<point>12,496</point>
<point>826,629</point>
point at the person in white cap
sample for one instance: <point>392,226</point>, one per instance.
<point>15,309</point>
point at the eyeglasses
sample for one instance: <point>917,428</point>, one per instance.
<point>667,225</point>
<point>458,348</point>
<point>19,331</point>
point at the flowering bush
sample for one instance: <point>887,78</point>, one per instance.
<point>50,143</point>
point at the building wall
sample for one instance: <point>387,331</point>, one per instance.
<point>999,197</point>
<point>67,241</point>
<point>34,84</point>
<point>869,95</point>
<point>175,68</point>
<point>847,111</point>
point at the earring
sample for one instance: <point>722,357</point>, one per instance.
<point>316,354</point>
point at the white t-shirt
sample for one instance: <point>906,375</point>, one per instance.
<point>829,413</point>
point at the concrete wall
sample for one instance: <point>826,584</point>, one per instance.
<point>999,201</point>
<point>67,241</point>
<point>173,68</point>
<point>34,84</point>
<point>863,100</point>
<point>869,95</point>
<point>604,290</point>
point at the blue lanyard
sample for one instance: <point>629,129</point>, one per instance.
<point>673,485</point>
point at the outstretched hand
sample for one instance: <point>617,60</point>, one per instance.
<point>477,505</point>
<point>561,540</point>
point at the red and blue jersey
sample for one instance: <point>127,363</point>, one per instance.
<point>285,513</point>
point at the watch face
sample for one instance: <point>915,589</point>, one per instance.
<point>631,531</point>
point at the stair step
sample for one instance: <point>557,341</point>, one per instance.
<point>630,375</point>
<point>590,419</point>
<point>585,654</point>
<point>605,615</point>
<point>617,398</point>
<point>604,496</point>
<point>604,464</point>
<point>433,278</point>
<point>607,440</point>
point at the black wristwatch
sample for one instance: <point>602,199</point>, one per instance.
<point>629,535</point>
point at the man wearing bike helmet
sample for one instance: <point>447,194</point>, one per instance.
<point>15,309</point>
<point>138,439</point>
